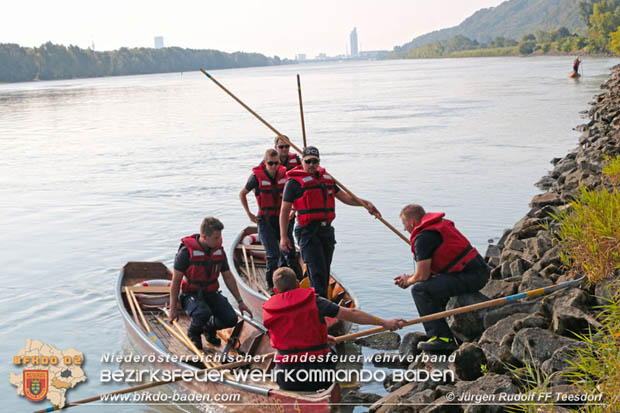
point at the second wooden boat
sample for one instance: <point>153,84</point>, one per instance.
<point>249,271</point>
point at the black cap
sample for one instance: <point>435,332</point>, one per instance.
<point>310,151</point>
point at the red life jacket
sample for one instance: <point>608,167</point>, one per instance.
<point>454,253</point>
<point>203,270</point>
<point>318,202</point>
<point>269,191</point>
<point>293,161</point>
<point>295,329</point>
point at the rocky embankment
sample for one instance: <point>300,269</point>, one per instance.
<point>535,331</point>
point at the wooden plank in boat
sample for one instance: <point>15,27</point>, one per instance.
<point>257,247</point>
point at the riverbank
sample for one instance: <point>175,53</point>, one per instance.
<point>536,334</point>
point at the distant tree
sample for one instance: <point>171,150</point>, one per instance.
<point>529,37</point>
<point>527,46</point>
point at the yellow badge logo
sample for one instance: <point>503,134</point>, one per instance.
<point>48,372</point>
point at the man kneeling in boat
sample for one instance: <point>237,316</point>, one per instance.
<point>297,329</point>
<point>267,181</point>
<point>447,265</point>
<point>197,266</point>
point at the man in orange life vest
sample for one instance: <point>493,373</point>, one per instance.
<point>447,265</point>
<point>287,160</point>
<point>297,330</point>
<point>197,266</point>
<point>312,192</point>
<point>267,181</point>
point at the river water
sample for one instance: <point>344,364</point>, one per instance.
<point>98,172</point>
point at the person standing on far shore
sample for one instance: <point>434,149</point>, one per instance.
<point>447,266</point>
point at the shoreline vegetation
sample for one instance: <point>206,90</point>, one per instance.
<point>600,37</point>
<point>55,62</point>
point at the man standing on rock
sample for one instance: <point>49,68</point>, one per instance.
<point>447,266</point>
<point>312,192</point>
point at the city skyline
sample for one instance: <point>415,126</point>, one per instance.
<point>270,27</point>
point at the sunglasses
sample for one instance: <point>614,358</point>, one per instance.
<point>272,163</point>
<point>283,146</point>
<point>311,161</point>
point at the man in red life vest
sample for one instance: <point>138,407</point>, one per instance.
<point>447,265</point>
<point>312,192</point>
<point>287,160</point>
<point>297,330</point>
<point>197,266</point>
<point>267,181</point>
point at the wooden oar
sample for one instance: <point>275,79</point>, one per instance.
<point>468,308</point>
<point>149,333</point>
<point>301,110</point>
<point>144,386</point>
<point>288,141</point>
<point>247,263</point>
<point>258,283</point>
<point>132,306</point>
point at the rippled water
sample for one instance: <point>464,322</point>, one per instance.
<point>98,172</point>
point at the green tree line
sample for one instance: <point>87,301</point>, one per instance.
<point>51,61</point>
<point>602,18</point>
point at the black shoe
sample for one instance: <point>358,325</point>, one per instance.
<point>212,337</point>
<point>438,344</point>
<point>196,339</point>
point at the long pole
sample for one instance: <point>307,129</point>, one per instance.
<point>301,110</point>
<point>498,301</point>
<point>468,308</point>
<point>288,141</point>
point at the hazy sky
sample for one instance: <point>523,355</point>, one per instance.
<point>272,27</point>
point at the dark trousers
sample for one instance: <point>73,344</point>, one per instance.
<point>432,295</point>
<point>269,234</point>
<point>213,312</point>
<point>317,244</point>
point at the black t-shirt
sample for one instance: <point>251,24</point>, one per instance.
<point>252,183</point>
<point>181,261</point>
<point>292,190</point>
<point>326,308</point>
<point>426,242</point>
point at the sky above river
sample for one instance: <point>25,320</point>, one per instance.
<point>271,27</point>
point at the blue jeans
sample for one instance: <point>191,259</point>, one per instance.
<point>269,234</point>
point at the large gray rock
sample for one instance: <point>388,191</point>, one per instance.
<point>532,320</point>
<point>467,326</point>
<point>468,361</point>
<point>499,288</point>
<point>358,397</point>
<point>552,256</point>
<point>560,358</point>
<point>409,344</point>
<point>490,384</point>
<point>504,327</point>
<point>535,345</point>
<point>387,340</point>
<point>532,280</point>
<point>527,227</point>
<point>442,405</point>
<point>493,315</point>
<point>548,198</point>
<point>519,266</point>
<point>606,289</point>
<point>568,320</point>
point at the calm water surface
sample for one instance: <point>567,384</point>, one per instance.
<point>98,172</point>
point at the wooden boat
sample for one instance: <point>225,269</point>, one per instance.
<point>574,75</point>
<point>249,271</point>
<point>248,337</point>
